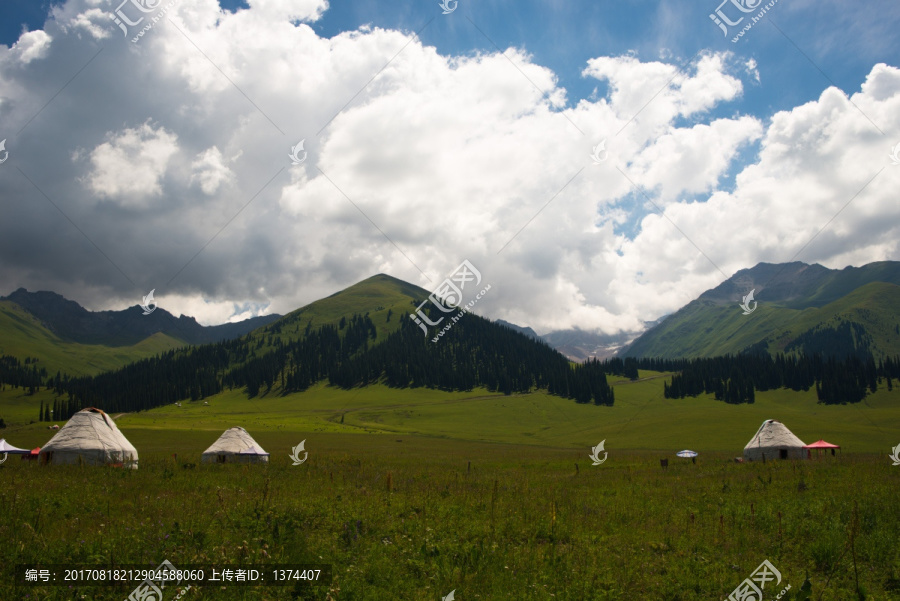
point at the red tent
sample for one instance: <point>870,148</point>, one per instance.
<point>33,454</point>
<point>819,445</point>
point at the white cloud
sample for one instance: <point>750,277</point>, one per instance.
<point>32,45</point>
<point>451,158</point>
<point>129,166</point>
<point>210,171</point>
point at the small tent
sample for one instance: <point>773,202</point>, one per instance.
<point>773,440</point>
<point>5,447</point>
<point>90,437</point>
<point>819,445</point>
<point>235,446</point>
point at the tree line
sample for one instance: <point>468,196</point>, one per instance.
<point>477,354</point>
<point>735,378</point>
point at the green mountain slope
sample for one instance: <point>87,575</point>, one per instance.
<point>387,300</point>
<point>22,335</point>
<point>801,308</point>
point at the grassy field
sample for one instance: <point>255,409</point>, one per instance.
<point>421,492</point>
<point>641,418</point>
<point>25,336</point>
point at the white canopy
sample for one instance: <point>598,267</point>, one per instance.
<point>774,441</point>
<point>90,437</point>
<point>5,447</point>
<point>235,446</point>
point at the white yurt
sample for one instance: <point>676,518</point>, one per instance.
<point>235,446</point>
<point>773,440</point>
<point>91,437</point>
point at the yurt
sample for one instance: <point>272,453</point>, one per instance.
<point>91,437</point>
<point>774,441</point>
<point>235,446</point>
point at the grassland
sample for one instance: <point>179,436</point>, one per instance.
<point>414,518</point>
<point>705,328</point>
<point>410,494</point>
<point>25,336</point>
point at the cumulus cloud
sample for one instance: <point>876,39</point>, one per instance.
<point>210,171</point>
<point>32,45</point>
<point>129,166</point>
<point>181,145</point>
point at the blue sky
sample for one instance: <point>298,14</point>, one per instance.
<point>741,150</point>
<point>821,43</point>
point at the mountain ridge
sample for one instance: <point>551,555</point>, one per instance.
<point>793,300</point>
<point>73,323</point>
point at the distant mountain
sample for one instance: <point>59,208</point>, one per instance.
<point>73,323</point>
<point>359,336</point>
<point>800,308</point>
<point>579,345</point>
<point>521,330</point>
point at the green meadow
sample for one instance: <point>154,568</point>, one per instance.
<point>411,494</point>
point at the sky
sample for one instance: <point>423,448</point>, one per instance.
<point>600,164</point>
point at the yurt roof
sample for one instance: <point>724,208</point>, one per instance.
<point>235,440</point>
<point>89,429</point>
<point>773,433</point>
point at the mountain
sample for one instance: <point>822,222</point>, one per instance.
<point>357,337</point>
<point>579,345</point>
<point>71,322</point>
<point>22,335</point>
<point>520,329</point>
<point>800,308</point>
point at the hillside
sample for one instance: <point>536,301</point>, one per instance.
<point>387,301</point>
<point>71,322</point>
<point>800,307</point>
<point>359,337</point>
<point>23,335</point>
